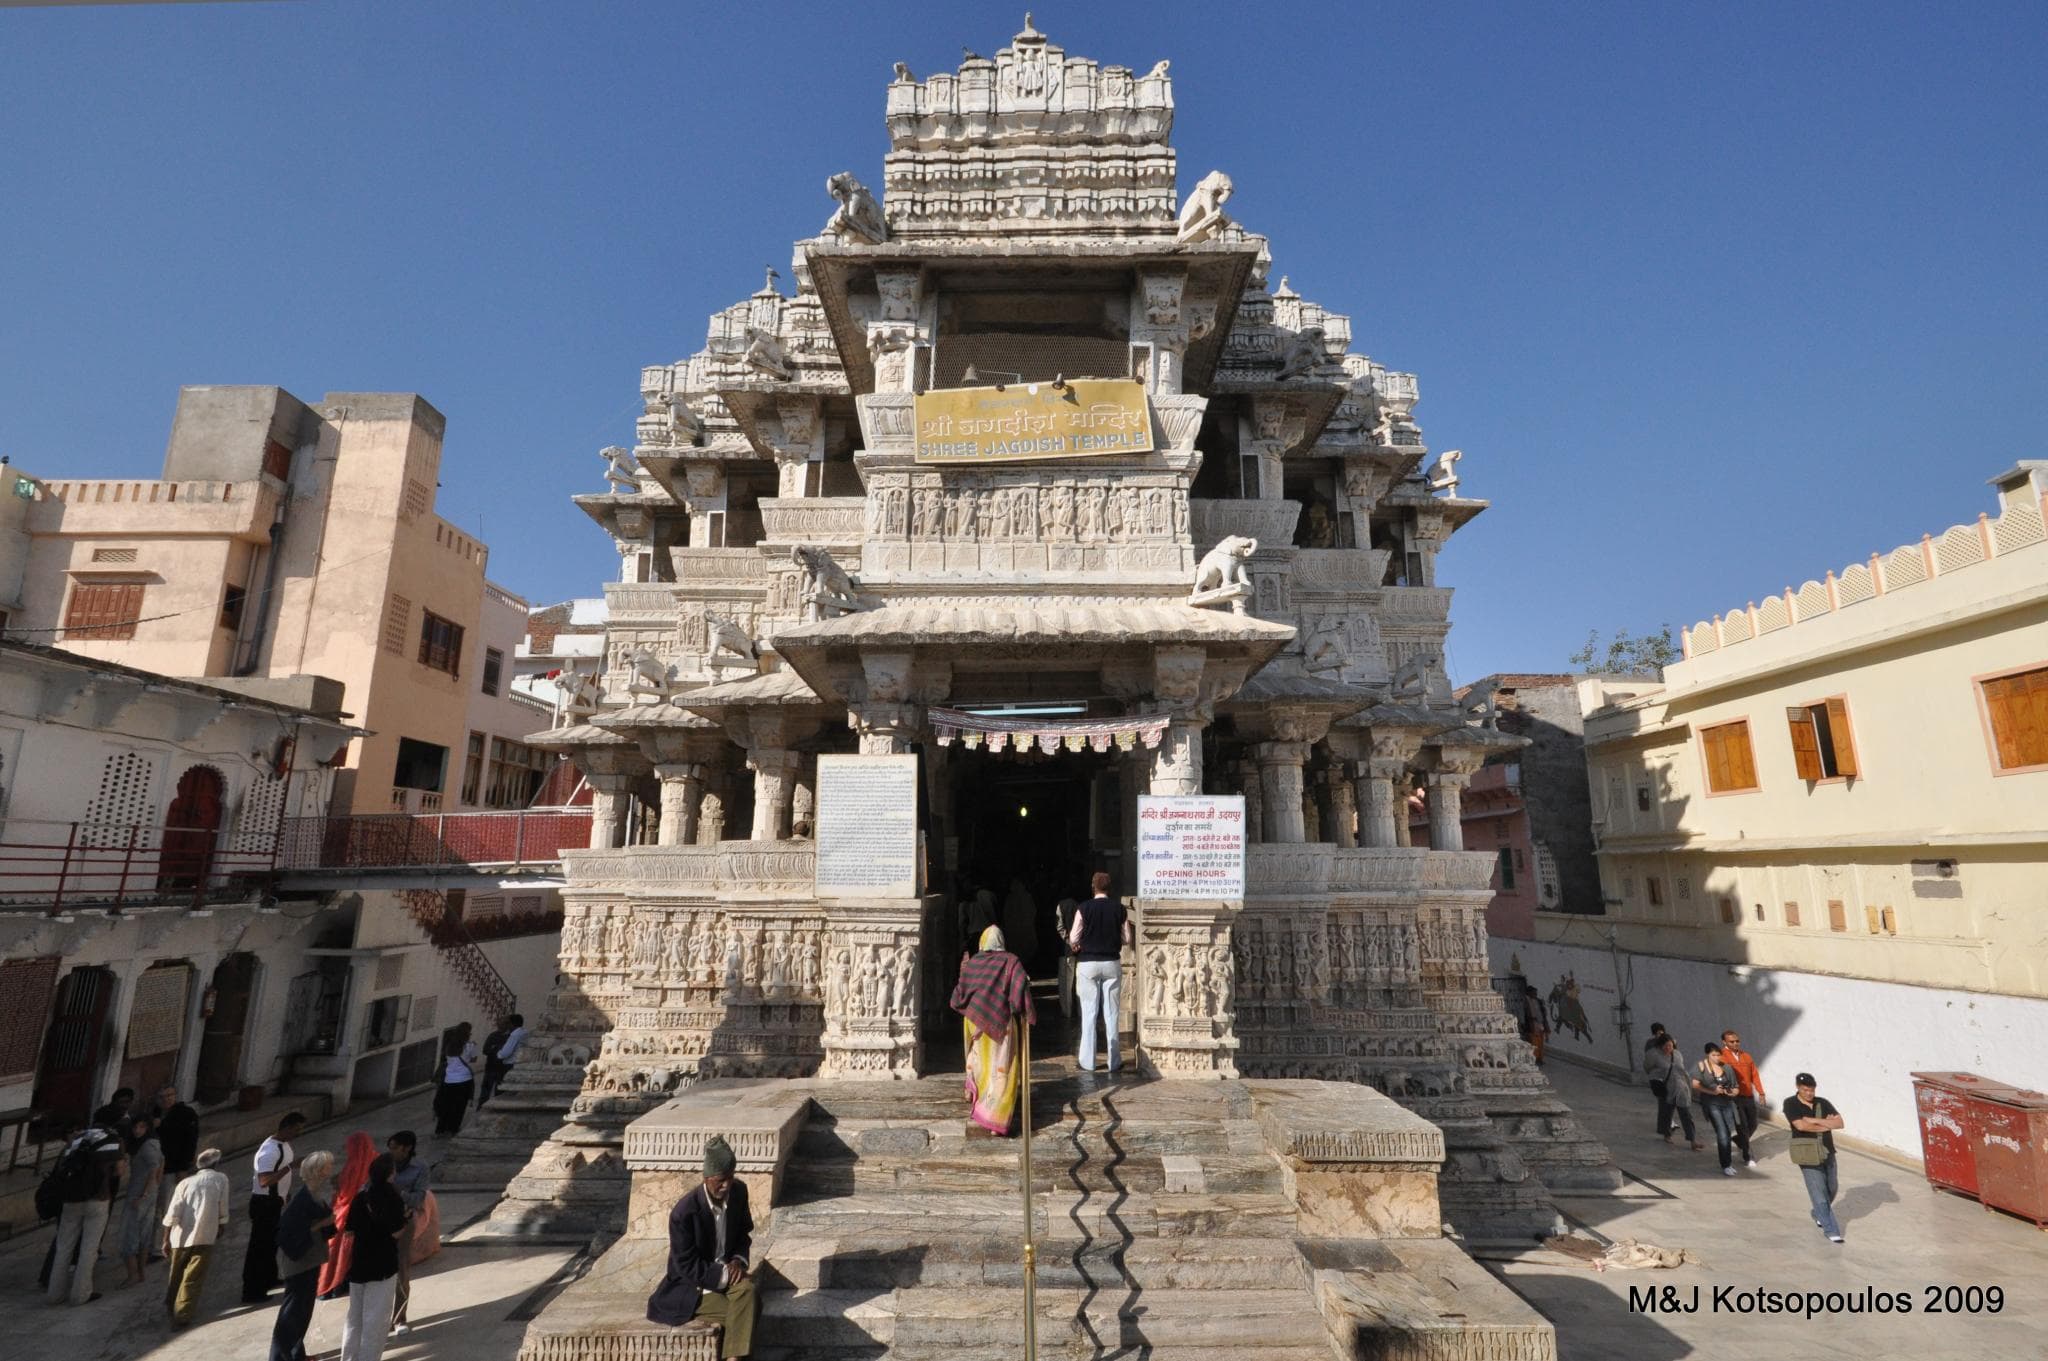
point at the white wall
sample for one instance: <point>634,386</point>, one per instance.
<point>1861,1039</point>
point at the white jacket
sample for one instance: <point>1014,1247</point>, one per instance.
<point>198,1210</point>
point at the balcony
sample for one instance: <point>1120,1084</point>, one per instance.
<point>56,867</point>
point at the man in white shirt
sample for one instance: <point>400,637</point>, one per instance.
<point>271,1186</point>
<point>192,1225</point>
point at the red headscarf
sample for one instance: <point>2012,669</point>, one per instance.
<point>358,1153</point>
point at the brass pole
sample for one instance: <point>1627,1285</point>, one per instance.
<point>1030,1239</point>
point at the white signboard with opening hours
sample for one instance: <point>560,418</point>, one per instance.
<point>1190,846</point>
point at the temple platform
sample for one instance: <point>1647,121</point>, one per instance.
<point>1282,1219</point>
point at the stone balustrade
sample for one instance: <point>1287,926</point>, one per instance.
<point>760,868</point>
<point>833,521</point>
<point>1270,522</point>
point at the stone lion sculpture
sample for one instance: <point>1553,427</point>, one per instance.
<point>1225,565</point>
<point>621,471</point>
<point>1201,217</point>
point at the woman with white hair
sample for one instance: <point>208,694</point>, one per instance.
<point>302,1233</point>
<point>193,1223</point>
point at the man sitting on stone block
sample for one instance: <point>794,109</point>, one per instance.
<point>710,1234</point>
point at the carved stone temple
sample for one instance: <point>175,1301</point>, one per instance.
<point>1231,591</point>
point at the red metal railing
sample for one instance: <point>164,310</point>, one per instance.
<point>431,840</point>
<point>59,865</point>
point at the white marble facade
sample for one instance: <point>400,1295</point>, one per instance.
<point>1259,593</point>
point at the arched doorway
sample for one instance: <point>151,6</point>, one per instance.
<point>72,1048</point>
<point>191,827</point>
<point>220,1050</point>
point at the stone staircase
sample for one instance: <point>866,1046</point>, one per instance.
<point>1169,1215</point>
<point>908,1241</point>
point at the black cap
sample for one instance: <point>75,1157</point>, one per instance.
<point>1804,1080</point>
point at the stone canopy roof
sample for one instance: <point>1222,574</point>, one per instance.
<point>775,688</point>
<point>1022,623</point>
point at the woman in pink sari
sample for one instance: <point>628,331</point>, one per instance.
<point>357,1153</point>
<point>994,1000</point>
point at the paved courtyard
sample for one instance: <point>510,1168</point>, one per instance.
<point>1753,1232</point>
<point>1749,1232</point>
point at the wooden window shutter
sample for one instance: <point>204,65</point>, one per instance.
<point>1805,744</point>
<point>1742,761</point>
<point>1872,922</point>
<point>1791,914</point>
<point>1838,915</point>
<point>1838,735</point>
<point>1891,922</point>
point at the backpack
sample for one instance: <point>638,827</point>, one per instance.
<point>75,1176</point>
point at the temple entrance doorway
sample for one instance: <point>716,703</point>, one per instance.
<point>1027,829</point>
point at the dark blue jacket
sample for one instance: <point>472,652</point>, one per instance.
<point>692,1246</point>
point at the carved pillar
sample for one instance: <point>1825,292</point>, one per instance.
<point>1447,809</point>
<point>885,729</point>
<point>1280,774</point>
<point>1177,760</point>
<point>774,786</point>
<point>1382,813</point>
<point>682,785</point>
<point>1343,809</point>
<point>611,797</point>
<point>1254,802</point>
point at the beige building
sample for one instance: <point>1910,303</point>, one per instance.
<point>1828,828</point>
<point>284,538</point>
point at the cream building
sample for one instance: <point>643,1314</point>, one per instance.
<point>1829,828</point>
<point>285,538</point>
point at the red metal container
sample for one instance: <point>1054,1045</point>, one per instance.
<point>1948,1134</point>
<point>2012,1152</point>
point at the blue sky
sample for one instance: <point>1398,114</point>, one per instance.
<point>1713,298</point>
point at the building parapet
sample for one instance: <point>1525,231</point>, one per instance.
<point>459,543</point>
<point>1955,549</point>
<point>110,506</point>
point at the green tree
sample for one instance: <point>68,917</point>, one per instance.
<point>1627,655</point>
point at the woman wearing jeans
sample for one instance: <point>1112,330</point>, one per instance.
<point>1718,1087</point>
<point>1667,1069</point>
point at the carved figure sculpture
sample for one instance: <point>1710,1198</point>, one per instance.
<point>764,355</point>
<point>1223,575</point>
<point>1485,709</point>
<point>903,72</point>
<point>1443,474</point>
<point>586,692</point>
<point>803,812</point>
<point>710,819</point>
<point>651,675</point>
<point>723,635</point>
<point>1412,680</point>
<point>826,586</point>
<point>1201,217</point>
<point>621,471</point>
<point>1304,354</point>
<point>858,212</point>
<point>1323,646</point>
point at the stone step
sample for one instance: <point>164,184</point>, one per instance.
<point>921,1323</point>
<point>911,1257</point>
<point>813,1178</point>
<point>1064,1214</point>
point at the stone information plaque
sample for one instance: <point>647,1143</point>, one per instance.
<point>1191,846</point>
<point>867,827</point>
<point>1088,416</point>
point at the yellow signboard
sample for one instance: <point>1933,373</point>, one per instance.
<point>1079,419</point>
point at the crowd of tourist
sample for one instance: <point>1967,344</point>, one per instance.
<point>1728,1089</point>
<point>132,1184</point>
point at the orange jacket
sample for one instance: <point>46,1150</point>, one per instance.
<point>1744,1065</point>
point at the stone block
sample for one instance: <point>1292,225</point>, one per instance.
<point>664,1148</point>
